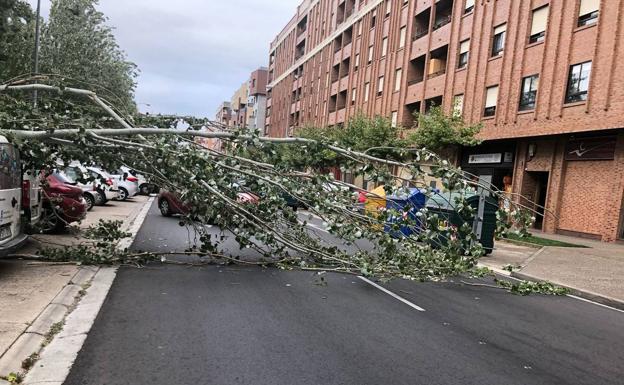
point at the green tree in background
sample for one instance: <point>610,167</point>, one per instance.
<point>443,133</point>
<point>16,38</point>
<point>77,44</point>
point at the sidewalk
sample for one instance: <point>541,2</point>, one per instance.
<point>36,295</point>
<point>594,273</point>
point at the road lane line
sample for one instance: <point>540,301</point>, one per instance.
<point>373,284</point>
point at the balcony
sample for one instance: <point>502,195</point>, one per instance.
<point>421,24</point>
<point>443,13</point>
<point>437,62</point>
<point>416,71</point>
<point>441,22</point>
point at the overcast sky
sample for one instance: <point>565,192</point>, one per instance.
<point>193,54</point>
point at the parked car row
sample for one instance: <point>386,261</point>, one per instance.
<point>49,200</point>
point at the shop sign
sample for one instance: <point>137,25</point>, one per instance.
<point>602,148</point>
<point>485,158</point>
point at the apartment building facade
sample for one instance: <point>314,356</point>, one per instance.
<point>541,75</point>
<point>257,98</point>
<point>247,106</point>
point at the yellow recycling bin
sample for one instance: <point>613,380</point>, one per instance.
<point>375,201</point>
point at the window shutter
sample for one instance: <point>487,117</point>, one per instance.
<point>589,6</point>
<point>464,46</point>
<point>491,97</point>
<point>500,29</point>
<point>540,18</point>
<point>458,104</point>
<point>398,79</point>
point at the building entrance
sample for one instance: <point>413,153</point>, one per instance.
<point>540,182</point>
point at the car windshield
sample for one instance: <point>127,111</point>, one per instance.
<point>62,178</point>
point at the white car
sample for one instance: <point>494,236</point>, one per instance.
<point>105,183</point>
<point>78,174</point>
<point>145,187</point>
<point>128,185</point>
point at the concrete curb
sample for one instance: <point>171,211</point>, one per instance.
<point>57,358</point>
<point>576,292</point>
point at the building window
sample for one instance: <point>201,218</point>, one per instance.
<point>498,42</point>
<point>366,91</point>
<point>359,29</point>
<point>380,86</point>
<point>395,118</point>
<point>356,65</point>
<point>588,12</point>
<point>384,47</point>
<point>353,95</point>
<point>402,37</point>
<point>469,7</point>
<point>398,77</point>
<point>491,99</point>
<point>528,93</point>
<point>538,24</point>
<point>374,19</point>
<point>578,82</point>
<point>464,47</point>
<point>458,105</point>
<point>388,7</point>
<point>370,54</point>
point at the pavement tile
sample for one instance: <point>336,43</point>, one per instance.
<point>52,314</point>
<point>67,296</point>
<point>84,275</point>
<point>26,344</point>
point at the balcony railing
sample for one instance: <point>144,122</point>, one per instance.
<point>442,22</point>
<point>420,33</point>
<point>437,73</point>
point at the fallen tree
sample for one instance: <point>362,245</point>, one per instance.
<point>210,181</point>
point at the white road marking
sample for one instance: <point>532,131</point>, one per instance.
<point>408,303</point>
<point>594,302</point>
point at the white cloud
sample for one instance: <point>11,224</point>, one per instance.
<point>193,54</point>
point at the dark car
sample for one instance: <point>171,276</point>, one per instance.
<point>170,204</point>
<point>62,203</point>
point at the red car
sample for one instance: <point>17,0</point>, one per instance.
<point>62,203</point>
<point>169,203</point>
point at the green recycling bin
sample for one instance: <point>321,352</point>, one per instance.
<point>443,204</point>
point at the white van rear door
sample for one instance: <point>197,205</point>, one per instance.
<point>10,193</point>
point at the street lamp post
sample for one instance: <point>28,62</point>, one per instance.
<point>36,52</point>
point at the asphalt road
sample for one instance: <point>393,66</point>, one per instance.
<point>167,324</point>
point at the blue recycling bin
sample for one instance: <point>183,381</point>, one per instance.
<point>406,202</point>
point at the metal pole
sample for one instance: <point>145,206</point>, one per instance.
<point>36,53</point>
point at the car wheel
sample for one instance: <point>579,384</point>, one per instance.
<point>102,196</point>
<point>90,201</point>
<point>164,207</point>
<point>145,189</point>
<point>123,194</point>
<point>51,221</point>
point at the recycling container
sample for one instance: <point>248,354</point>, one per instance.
<point>444,204</point>
<point>407,203</point>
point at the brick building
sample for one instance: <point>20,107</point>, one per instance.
<point>540,75</point>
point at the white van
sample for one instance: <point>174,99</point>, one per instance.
<point>31,197</point>
<point>11,234</point>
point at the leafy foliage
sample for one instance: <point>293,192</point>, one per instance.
<point>78,45</point>
<point>16,38</point>
<point>437,131</point>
